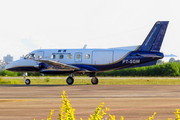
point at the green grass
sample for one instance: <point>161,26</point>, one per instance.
<point>4,81</point>
<point>105,81</point>
<point>140,82</point>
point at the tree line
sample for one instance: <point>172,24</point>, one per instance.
<point>165,69</point>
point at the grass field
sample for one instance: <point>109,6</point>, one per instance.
<point>87,80</point>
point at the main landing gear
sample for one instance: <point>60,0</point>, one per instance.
<point>27,81</point>
<point>70,79</point>
<point>94,80</point>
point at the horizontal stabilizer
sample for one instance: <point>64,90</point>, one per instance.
<point>150,55</point>
<point>170,55</point>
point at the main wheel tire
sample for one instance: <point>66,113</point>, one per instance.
<point>94,81</point>
<point>28,81</point>
<point>70,80</point>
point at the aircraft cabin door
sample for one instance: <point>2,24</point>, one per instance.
<point>78,57</point>
<point>102,56</point>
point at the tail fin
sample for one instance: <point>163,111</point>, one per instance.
<point>155,37</point>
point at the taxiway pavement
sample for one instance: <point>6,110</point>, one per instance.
<point>134,102</point>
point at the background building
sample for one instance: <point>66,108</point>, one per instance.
<point>2,65</point>
<point>7,59</point>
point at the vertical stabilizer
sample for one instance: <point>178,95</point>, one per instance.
<point>155,37</point>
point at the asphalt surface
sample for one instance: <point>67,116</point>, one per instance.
<point>134,102</point>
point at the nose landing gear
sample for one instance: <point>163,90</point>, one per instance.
<point>27,81</point>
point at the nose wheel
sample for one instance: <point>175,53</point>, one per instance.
<point>28,81</point>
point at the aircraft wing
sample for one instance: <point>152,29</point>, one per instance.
<point>59,65</point>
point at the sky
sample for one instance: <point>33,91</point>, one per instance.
<point>26,25</point>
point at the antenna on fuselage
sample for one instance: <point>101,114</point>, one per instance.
<point>85,46</point>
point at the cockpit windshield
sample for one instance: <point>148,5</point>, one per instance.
<point>30,56</point>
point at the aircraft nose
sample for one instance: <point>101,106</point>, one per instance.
<point>8,66</point>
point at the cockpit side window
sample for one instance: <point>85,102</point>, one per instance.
<point>26,57</point>
<point>30,56</point>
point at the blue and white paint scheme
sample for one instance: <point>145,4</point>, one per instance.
<point>91,61</point>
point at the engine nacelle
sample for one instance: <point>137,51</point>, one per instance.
<point>40,66</point>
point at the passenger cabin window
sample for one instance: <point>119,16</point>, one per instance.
<point>87,56</point>
<point>61,56</point>
<point>69,56</point>
<point>78,56</point>
<point>53,56</point>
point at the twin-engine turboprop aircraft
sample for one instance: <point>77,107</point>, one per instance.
<point>91,61</point>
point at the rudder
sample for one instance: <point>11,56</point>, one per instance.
<point>155,37</point>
